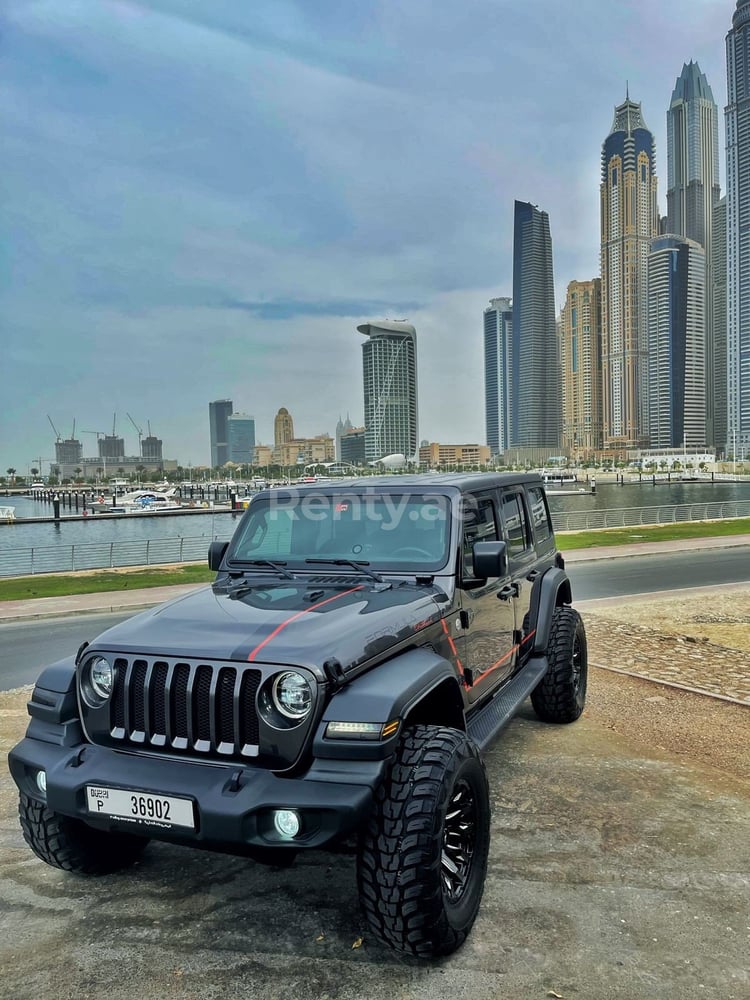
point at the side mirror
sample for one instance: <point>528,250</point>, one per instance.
<point>216,552</point>
<point>490,560</point>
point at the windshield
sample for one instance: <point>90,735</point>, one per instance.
<point>399,531</point>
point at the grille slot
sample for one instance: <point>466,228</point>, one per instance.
<point>201,708</point>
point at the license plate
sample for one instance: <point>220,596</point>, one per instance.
<point>140,808</point>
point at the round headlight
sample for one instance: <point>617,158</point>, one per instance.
<point>292,695</point>
<point>101,677</point>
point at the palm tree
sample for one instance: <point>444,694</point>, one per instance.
<point>12,474</point>
<point>34,472</point>
<point>78,472</point>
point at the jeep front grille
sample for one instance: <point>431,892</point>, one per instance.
<point>185,706</point>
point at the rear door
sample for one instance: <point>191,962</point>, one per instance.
<point>522,557</point>
<point>485,625</point>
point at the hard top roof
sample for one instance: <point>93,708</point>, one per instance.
<point>463,482</point>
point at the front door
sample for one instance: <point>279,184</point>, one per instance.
<point>486,621</point>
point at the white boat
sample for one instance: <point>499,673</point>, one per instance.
<point>137,502</point>
<point>7,513</point>
<point>558,476</point>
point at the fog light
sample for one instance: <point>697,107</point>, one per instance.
<point>287,822</point>
<point>41,781</point>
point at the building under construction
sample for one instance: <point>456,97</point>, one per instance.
<point>111,459</point>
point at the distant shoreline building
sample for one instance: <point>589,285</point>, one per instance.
<point>677,346</point>
<point>389,375</point>
<point>719,323</point>
<point>351,446</point>
<point>692,192</point>
<point>629,221</point>
<point>580,360</point>
<point>283,427</point>
<point>219,412</point>
<point>498,362</point>
<point>241,438</point>
<point>737,116</point>
<point>436,455</point>
<point>535,414</point>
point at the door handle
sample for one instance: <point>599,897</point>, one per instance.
<point>508,591</point>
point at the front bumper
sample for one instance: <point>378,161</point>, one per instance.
<point>232,805</point>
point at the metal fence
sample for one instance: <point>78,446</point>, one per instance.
<point>107,555</point>
<point>160,551</point>
<point>620,517</point>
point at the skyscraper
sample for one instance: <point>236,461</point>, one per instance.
<point>218,414</point>
<point>629,220</point>
<point>677,349</point>
<point>580,361</point>
<point>498,338</point>
<point>692,192</point>
<point>283,427</point>
<point>719,321</point>
<point>738,232</point>
<point>241,438</point>
<point>535,412</point>
<point>389,370</point>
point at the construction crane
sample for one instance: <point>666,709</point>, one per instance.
<point>58,435</point>
<point>140,433</point>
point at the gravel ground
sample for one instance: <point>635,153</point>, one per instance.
<point>692,726</point>
<point>696,727</point>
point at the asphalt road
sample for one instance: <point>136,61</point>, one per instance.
<point>646,574</point>
<point>29,646</point>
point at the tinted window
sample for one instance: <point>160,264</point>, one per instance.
<point>539,513</point>
<point>479,526</point>
<point>514,523</point>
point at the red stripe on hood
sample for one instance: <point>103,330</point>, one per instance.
<point>299,614</point>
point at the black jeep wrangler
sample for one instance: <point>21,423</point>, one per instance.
<point>361,645</point>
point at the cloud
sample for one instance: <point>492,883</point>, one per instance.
<point>203,199</point>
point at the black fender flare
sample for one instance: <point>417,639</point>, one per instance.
<point>53,706</point>
<point>550,590</point>
<point>393,690</point>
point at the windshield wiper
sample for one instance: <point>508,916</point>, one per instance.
<point>280,567</point>
<point>361,566</point>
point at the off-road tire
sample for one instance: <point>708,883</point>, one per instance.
<point>436,789</point>
<point>561,694</point>
<point>72,845</point>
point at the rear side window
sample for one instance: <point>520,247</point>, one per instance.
<point>515,523</point>
<point>539,513</point>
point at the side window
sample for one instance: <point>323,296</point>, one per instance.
<point>515,523</point>
<point>539,513</point>
<point>480,525</point>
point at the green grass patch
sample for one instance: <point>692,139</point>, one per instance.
<point>657,533</point>
<point>63,584</point>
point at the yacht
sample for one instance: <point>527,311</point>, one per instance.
<point>143,501</point>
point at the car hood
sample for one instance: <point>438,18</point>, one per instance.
<point>282,623</point>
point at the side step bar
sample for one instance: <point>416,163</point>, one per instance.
<point>489,720</point>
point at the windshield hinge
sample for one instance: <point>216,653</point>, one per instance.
<point>335,673</point>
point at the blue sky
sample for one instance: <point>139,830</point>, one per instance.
<point>203,198</point>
